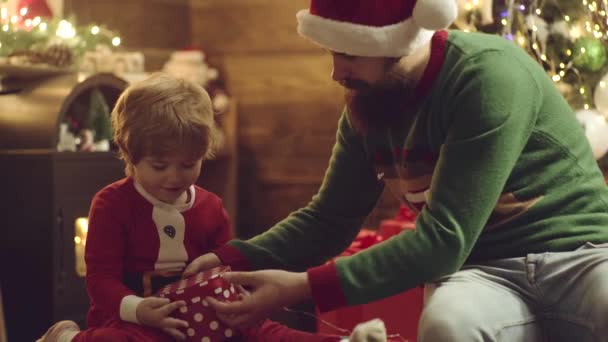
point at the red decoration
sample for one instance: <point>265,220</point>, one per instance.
<point>203,323</point>
<point>35,8</point>
<point>401,312</point>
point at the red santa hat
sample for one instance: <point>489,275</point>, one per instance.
<point>374,28</point>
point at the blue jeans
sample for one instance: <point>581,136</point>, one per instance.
<point>541,297</point>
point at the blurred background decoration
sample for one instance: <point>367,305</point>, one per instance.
<point>568,38</point>
<point>32,35</point>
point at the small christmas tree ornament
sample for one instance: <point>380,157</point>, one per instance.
<point>97,133</point>
<point>589,54</point>
<point>596,130</point>
<point>600,96</point>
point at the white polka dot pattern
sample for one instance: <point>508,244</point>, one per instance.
<point>213,325</point>
<point>204,325</point>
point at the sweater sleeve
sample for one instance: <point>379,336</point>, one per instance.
<point>326,226</point>
<point>104,255</point>
<point>489,114</point>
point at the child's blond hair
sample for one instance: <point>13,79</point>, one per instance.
<point>163,114</point>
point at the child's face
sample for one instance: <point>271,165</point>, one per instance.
<point>167,177</point>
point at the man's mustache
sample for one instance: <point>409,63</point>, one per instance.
<point>354,84</point>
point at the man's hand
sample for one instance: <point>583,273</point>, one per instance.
<point>154,312</point>
<point>270,290</point>
<point>202,263</point>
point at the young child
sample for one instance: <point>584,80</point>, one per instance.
<point>144,229</point>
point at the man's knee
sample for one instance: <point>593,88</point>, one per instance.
<point>442,324</point>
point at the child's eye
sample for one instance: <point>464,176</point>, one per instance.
<point>188,165</point>
<point>159,167</point>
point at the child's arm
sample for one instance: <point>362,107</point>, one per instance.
<point>105,255</point>
<point>223,232</point>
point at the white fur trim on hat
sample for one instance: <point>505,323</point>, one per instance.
<point>435,14</point>
<point>396,40</point>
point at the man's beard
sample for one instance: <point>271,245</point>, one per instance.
<point>380,105</point>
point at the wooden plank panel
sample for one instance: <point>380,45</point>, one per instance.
<point>246,27</point>
<point>288,142</point>
<point>284,78</point>
<point>275,170</point>
<point>262,205</point>
<point>140,23</point>
<point>297,126</point>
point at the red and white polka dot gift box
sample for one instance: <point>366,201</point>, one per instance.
<point>204,326</point>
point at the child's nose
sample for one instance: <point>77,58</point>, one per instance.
<point>175,176</point>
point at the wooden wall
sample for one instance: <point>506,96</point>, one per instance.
<point>155,27</point>
<point>288,106</point>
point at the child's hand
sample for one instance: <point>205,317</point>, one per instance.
<point>202,263</point>
<point>154,312</point>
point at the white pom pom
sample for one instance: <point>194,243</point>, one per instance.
<point>373,330</point>
<point>435,14</point>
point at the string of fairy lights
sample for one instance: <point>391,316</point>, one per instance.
<point>571,45</point>
<point>18,31</point>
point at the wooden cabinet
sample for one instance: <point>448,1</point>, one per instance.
<point>44,193</point>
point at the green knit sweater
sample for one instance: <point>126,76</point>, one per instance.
<point>492,156</point>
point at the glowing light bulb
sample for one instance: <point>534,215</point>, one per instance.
<point>65,30</point>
